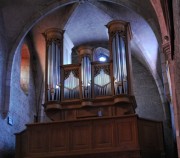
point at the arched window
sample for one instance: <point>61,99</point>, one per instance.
<point>25,66</point>
<point>101,54</point>
<point>102,78</point>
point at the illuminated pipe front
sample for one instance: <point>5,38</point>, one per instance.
<point>119,36</point>
<point>85,54</point>
<point>54,46</point>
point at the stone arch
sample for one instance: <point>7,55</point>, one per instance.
<point>100,51</point>
<point>35,18</point>
<point>25,68</point>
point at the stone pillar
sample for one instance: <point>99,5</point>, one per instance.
<point>176,66</point>
<point>172,87</point>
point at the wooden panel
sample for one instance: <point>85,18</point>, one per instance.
<point>126,134</point>
<point>150,137</point>
<point>152,154</point>
<point>59,138</point>
<point>70,114</point>
<point>115,137</point>
<point>93,112</point>
<point>87,112</point>
<point>160,135</point>
<point>21,144</point>
<point>80,136</point>
<point>38,139</point>
<point>55,115</point>
<point>106,111</point>
<point>103,134</point>
<point>123,109</point>
<point>24,143</point>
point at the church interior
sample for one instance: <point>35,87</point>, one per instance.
<point>89,78</point>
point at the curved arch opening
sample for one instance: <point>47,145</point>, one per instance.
<point>25,68</point>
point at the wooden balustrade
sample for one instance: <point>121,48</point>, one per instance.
<point>117,137</point>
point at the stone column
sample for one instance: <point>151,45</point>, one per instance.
<point>176,70</point>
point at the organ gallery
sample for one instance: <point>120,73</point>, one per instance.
<point>91,103</point>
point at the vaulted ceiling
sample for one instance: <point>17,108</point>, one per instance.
<point>84,22</point>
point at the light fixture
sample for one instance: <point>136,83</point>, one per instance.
<point>102,59</point>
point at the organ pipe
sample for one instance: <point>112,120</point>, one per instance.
<point>85,55</point>
<point>86,77</point>
<point>102,83</point>
<point>71,86</point>
<point>54,53</point>
<point>119,36</point>
<point>119,64</point>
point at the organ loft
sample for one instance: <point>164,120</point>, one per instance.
<point>91,104</point>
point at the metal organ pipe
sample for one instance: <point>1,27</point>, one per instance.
<point>71,86</point>
<point>86,76</point>
<point>85,54</point>
<point>102,83</point>
<point>119,64</point>
<point>120,34</point>
<point>53,72</point>
<point>53,62</point>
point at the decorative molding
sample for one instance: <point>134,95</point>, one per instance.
<point>122,27</point>
<point>74,71</point>
<point>167,50</point>
<point>98,68</point>
<point>85,51</point>
<point>53,35</point>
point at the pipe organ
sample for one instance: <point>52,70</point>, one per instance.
<point>91,84</point>
<point>92,105</point>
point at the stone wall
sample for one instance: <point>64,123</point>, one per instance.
<point>3,60</point>
<point>21,110</point>
<point>149,103</point>
<point>146,93</point>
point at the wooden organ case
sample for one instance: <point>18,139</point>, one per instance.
<point>92,105</point>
